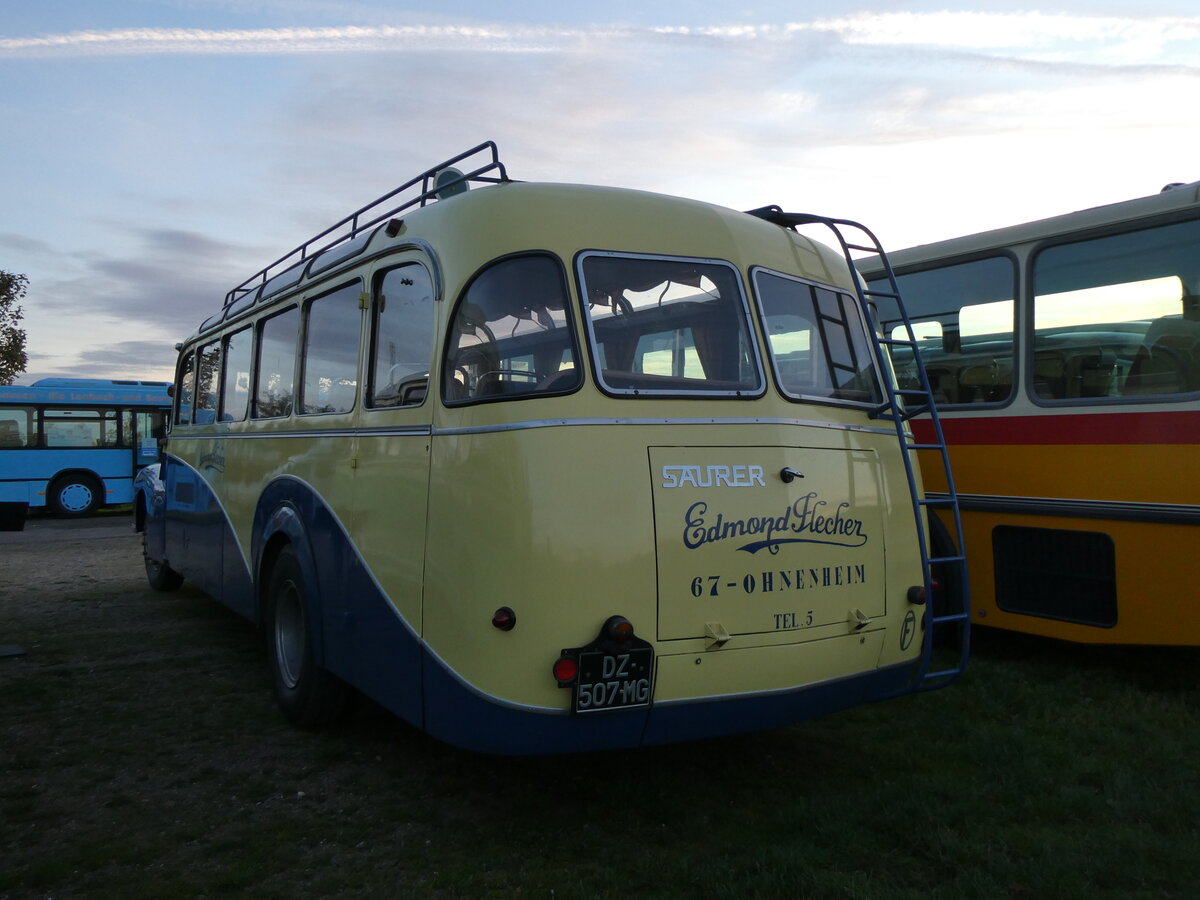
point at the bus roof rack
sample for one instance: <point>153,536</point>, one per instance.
<point>439,182</point>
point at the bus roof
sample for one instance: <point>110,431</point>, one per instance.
<point>1172,198</point>
<point>505,216</point>
<point>88,392</point>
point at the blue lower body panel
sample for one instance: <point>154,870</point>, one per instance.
<point>363,640</point>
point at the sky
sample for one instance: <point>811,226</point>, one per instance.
<point>155,153</point>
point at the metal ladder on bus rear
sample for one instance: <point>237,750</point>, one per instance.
<point>901,405</point>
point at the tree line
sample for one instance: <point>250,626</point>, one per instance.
<point>12,336</point>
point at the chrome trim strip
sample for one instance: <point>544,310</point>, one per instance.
<point>416,430</point>
<point>707,420</point>
<point>427,430</point>
<point>1066,507</point>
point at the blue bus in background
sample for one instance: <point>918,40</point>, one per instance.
<point>74,444</point>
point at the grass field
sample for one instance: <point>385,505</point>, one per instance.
<point>141,756</point>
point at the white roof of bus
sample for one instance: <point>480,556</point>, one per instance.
<point>1170,199</point>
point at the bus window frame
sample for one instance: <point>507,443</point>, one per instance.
<point>177,399</point>
<point>215,342</point>
<point>569,321</point>
<point>593,350</point>
<point>32,427</point>
<point>1028,330</point>
<point>1019,341</point>
<point>301,366</point>
<point>282,309</point>
<point>819,399</point>
<point>224,337</point>
<point>377,277</point>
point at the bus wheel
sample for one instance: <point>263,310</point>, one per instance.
<point>307,694</point>
<point>75,494</point>
<point>161,576</point>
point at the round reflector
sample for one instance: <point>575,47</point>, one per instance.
<point>566,669</point>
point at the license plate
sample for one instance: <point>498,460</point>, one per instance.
<point>614,680</point>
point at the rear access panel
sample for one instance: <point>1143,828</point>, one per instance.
<point>753,540</point>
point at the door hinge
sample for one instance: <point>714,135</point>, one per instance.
<point>354,462</point>
<point>364,300</point>
<point>715,636</point>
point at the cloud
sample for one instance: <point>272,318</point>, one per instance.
<point>18,244</point>
<point>139,360</point>
<point>1127,40</point>
<point>168,279</point>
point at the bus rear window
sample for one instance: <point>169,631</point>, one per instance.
<point>818,341</point>
<point>511,336</point>
<point>661,326</point>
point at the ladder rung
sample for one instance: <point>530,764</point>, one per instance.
<point>867,292</point>
<point>938,560</point>
<point>950,617</point>
<point>874,250</point>
<point>925,446</point>
<point>938,501</point>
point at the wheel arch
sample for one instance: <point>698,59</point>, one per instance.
<point>283,527</point>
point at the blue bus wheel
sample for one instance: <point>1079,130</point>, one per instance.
<point>75,494</point>
<point>307,694</point>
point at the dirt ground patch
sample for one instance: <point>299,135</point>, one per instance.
<point>142,748</point>
<point>142,755</point>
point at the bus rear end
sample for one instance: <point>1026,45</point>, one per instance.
<point>675,514</point>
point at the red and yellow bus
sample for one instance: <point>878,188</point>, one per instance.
<point>1065,357</point>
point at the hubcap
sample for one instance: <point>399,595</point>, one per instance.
<point>289,634</point>
<point>75,497</point>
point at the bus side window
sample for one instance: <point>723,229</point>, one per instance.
<point>963,318</point>
<point>1115,316</point>
<point>511,335</point>
<point>330,361</point>
<point>276,365</point>
<point>109,437</point>
<point>401,337</point>
<point>72,427</point>
<point>235,385</point>
<point>205,412</point>
<point>18,431</point>
<point>187,384</point>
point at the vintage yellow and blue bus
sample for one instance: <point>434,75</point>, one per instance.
<point>1065,354</point>
<point>544,468</point>
<point>73,445</point>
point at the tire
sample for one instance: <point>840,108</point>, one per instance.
<point>75,495</point>
<point>161,576</point>
<point>308,695</point>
